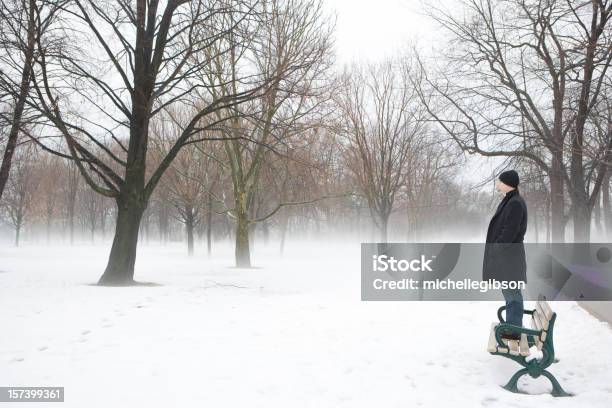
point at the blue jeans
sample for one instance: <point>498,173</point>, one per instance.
<point>514,306</point>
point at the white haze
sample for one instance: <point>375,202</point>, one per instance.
<point>290,333</point>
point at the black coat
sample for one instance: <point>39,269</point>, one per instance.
<point>504,256</point>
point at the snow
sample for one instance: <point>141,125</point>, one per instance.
<point>290,333</point>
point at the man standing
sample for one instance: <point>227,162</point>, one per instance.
<point>504,258</point>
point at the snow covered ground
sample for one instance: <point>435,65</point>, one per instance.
<point>290,333</point>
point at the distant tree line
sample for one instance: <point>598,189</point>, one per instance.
<point>201,120</point>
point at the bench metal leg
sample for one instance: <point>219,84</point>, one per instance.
<point>557,390</point>
<point>511,386</point>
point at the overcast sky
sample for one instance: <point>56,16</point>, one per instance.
<point>372,29</point>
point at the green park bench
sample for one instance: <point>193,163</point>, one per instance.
<point>540,335</point>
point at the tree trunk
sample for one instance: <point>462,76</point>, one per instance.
<point>190,239</point>
<point>133,196</point>
<point>242,248</point>
<point>49,221</point>
<point>582,207</point>
<point>243,253</point>
<point>71,221</point>
<point>17,234</point>
<point>557,206</point>
<point>607,210</point>
<point>120,268</point>
<point>283,238</point>
<point>597,214</point>
<point>229,227</point>
<point>548,222</point>
<point>384,227</point>
<point>209,226</point>
<point>189,227</point>
<point>163,225</point>
<point>358,222</point>
<point>582,219</point>
<point>536,230</point>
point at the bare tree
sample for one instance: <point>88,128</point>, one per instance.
<point>185,181</point>
<point>22,24</point>
<point>293,184</point>
<point>600,119</point>
<point>429,171</point>
<point>520,79</point>
<point>125,63</point>
<point>384,129</point>
<point>589,74</point>
<point>50,189</point>
<point>294,49</point>
<point>70,188</point>
<point>93,210</point>
<point>18,203</point>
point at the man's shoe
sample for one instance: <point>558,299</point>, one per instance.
<point>511,336</point>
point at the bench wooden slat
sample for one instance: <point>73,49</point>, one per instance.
<point>544,309</point>
<point>518,347</point>
<point>547,309</point>
<point>538,343</point>
<point>514,347</point>
<point>524,345</point>
<point>541,321</point>
<point>535,322</point>
<point>536,325</point>
<point>492,346</point>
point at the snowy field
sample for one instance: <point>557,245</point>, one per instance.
<point>290,333</point>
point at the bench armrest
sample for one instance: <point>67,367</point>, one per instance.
<point>501,309</point>
<point>516,329</point>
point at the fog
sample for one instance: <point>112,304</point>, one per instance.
<point>185,185</point>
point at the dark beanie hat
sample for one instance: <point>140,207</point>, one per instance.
<point>510,178</point>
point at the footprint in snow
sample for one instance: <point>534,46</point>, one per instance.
<point>488,401</point>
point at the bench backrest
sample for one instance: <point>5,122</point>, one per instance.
<point>543,318</point>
